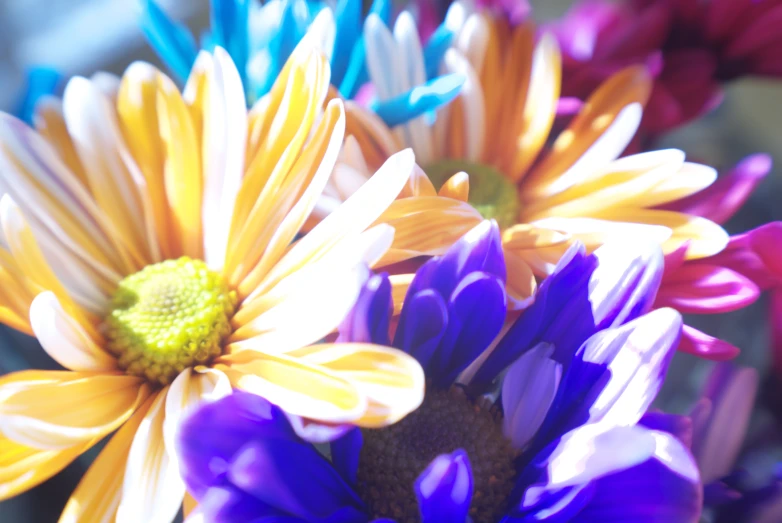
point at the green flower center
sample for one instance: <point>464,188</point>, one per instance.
<point>167,317</point>
<point>491,193</point>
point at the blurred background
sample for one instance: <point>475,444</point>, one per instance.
<point>79,37</point>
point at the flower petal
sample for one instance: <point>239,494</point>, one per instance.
<point>58,409</point>
<point>444,490</point>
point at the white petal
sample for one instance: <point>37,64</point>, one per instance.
<point>64,339</point>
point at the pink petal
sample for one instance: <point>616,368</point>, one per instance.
<point>766,242</point>
<point>706,289</point>
<point>776,329</point>
<point>700,344</point>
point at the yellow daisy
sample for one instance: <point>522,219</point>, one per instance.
<point>148,244</point>
<point>487,148</point>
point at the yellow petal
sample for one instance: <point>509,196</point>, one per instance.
<point>594,232</point>
<point>391,380</point>
<point>352,217</point>
<point>521,284</point>
<point>276,227</point>
<point>689,179</point>
<point>50,122</point>
<point>98,494</point>
<point>182,168</point>
<point>29,259</point>
<point>22,467</point>
<point>56,410</point>
<point>399,285</point>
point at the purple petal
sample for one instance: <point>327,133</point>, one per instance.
<point>718,439</point>
<point>296,479</point>
<point>476,313</point>
<point>766,241</point>
<point>444,489</point>
<point>345,453</point>
<point>528,389</point>
<point>720,201</point>
<point>478,250</point>
<point>563,483</point>
<point>676,425</point>
<point>421,325</point>
<point>213,434</point>
<point>368,322</point>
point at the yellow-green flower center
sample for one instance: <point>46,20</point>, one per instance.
<point>491,193</point>
<point>167,317</point>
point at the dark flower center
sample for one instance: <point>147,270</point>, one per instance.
<point>393,457</point>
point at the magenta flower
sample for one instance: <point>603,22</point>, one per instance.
<point>691,47</point>
<point>733,278</point>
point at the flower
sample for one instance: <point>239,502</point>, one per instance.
<point>581,367</point>
<point>39,82</point>
<point>260,38</point>
<point>729,280</point>
<point>148,244</point>
<point>484,149</point>
<point>692,47</point>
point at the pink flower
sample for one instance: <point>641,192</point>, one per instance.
<point>733,278</point>
<point>690,46</point>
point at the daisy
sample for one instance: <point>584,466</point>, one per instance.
<point>147,244</point>
<point>575,374</point>
<point>488,147</point>
<point>260,36</point>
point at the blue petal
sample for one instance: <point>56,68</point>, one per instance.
<point>679,426</point>
<point>296,479</point>
<point>478,250</point>
<point>647,493</point>
<point>562,300</point>
<point>444,490</point>
<point>172,41</point>
<point>345,453</point>
<point>368,321</point>
<point>418,100</point>
<point>211,436</point>
<point>282,43</point>
<point>381,8</point>
<point>229,503</point>
<point>476,313</point>
<point>422,324</point>
<point>40,81</point>
<point>435,49</point>
<point>356,73</point>
<point>347,21</point>
<point>229,20</point>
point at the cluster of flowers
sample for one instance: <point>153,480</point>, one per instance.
<point>433,273</point>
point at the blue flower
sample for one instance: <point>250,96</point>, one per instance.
<point>260,38</point>
<point>39,82</point>
<point>535,420</point>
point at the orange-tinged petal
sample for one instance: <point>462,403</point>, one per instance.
<point>182,168</point>
<point>456,187</point>
<point>399,285</point>
<point>56,410</point>
<point>594,232</point>
<point>597,135</point>
<point>521,284</point>
<point>539,108</point>
<point>689,179</point>
<point>98,494</point>
<point>526,236</point>
<point>374,138</point>
<point>22,467</point>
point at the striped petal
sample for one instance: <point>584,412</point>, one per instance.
<point>58,409</point>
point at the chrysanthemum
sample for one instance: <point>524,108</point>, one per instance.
<point>147,244</point>
<point>487,148</point>
<point>575,374</point>
<point>261,36</point>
